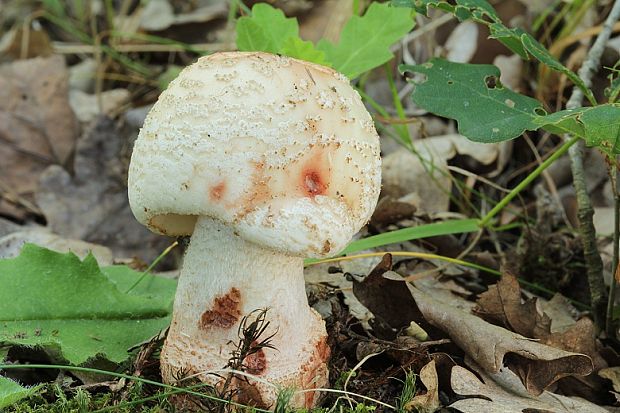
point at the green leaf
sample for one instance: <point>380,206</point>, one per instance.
<point>266,30</point>
<point>11,392</point>
<point>479,9</point>
<point>365,41</point>
<point>561,123</point>
<point>460,91</point>
<point>421,6</point>
<point>511,38</point>
<point>537,50</point>
<point>602,127</point>
<point>151,286</point>
<point>304,50</point>
<point>599,125</point>
<point>70,308</point>
<point>520,42</point>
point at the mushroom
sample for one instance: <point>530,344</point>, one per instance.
<point>264,160</point>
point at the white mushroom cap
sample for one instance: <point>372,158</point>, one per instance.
<point>282,150</point>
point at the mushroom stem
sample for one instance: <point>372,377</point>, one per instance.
<point>225,278</point>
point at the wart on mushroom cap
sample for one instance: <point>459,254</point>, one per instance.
<point>264,159</point>
<point>265,143</point>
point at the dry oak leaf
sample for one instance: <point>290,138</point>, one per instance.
<point>491,346</point>
<point>387,299</point>
<point>502,305</point>
<point>429,401</point>
<point>503,393</point>
<point>37,126</point>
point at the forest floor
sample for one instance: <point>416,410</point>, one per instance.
<point>449,317</point>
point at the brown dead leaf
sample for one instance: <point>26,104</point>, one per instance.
<point>390,211</point>
<point>93,205</point>
<point>612,374</point>
<point>24,42</point>
<point>560,311</point>
<point>428,402</point>
<point>503,393</point>
<point>37,126</point>
<point>501,304</point>
<point>389,300</point>
<point>492,346</point>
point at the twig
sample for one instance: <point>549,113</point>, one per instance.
<point>585,211</point>
<point>609,324</point>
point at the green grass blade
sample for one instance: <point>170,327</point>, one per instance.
<point>457,226</point>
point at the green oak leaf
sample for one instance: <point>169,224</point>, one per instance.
<point>11,392</point>
<point>517,40</point>
<point>266,30</point>
<point>304,50</point>
<point>539,51</point>
<point>479,9</point>
<point>484,113</point>
<point>511,38</point>
<point>599,126</point>
<point>72,309</point>
<point>365,41</point>
<point>421,6</point>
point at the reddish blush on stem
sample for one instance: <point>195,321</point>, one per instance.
<point>315,367</point>
<point>225,312</point>
<point>256,363</point>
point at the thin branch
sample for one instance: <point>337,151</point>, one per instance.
<point>585,211</point>
<point>609,324</point>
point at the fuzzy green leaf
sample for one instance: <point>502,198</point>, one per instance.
<point>72,309</point>
<point>11,392</point>
<point>266,30</point>
<point>365,41</point>
<point>484,113</point>
<point>304,50</point>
